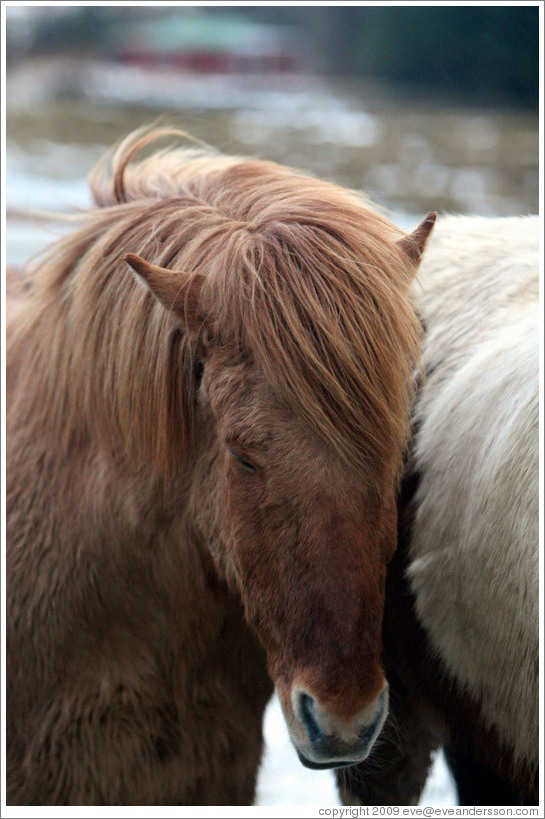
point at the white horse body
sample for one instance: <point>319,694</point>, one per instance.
<point>474,553</point>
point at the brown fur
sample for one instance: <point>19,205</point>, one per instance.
<point>134,532</point>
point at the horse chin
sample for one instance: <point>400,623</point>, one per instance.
<point>326,754</point>
<point>323,766</point>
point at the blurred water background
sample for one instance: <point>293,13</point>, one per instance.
<point>424,108</point>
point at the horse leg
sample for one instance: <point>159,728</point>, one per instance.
<point>477,784</point>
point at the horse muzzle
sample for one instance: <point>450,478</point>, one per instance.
<point>322,740</point>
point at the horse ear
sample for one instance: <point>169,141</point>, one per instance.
<point>413,245</point>
<point>177,291</point>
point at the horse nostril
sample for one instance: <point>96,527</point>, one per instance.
<point>306,707</point>
<point>382,706</point>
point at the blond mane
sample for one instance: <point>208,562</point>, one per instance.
<point>304,278</point>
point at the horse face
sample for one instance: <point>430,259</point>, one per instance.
<point>307,548</point>
<point>298,532</point>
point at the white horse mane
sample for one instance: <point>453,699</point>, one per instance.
<point>474,554</point>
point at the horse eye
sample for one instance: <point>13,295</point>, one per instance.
<point>242,461</point>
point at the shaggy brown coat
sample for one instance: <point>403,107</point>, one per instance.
<point>201,478</point>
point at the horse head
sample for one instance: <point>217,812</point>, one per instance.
<point>302,408</point>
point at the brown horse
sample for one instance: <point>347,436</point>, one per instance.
<point>202,458</point>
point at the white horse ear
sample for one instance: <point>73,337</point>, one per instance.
<point>413,245</point>
<point>177,291</point>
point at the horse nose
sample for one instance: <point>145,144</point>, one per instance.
<point>332,742</point>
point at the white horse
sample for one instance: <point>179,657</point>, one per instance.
<point>461,625</point>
